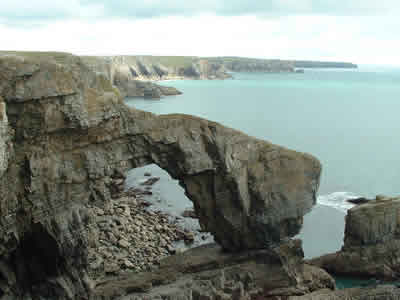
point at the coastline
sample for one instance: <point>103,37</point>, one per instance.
<point>67,126</point>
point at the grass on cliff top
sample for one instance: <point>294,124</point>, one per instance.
<point>171,61</point>
<point>227,59</point>
<point>91,59</point>
<point>59,57</point>
<point>167,61</point>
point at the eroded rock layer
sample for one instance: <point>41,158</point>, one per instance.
<point>65,133</point>
<point>207,273</point>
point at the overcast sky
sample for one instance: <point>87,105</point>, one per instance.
<point>360,31</point>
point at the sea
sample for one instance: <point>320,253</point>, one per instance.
<point>348,118</point>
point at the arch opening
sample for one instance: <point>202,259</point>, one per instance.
<point>167,196</point>
<point>322,231</point>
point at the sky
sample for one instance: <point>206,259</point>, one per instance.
<point>359,31</point>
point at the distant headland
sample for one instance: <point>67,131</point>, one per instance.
<point>134,75</point>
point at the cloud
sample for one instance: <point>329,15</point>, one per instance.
<point>37,11</point>
<point>354,30</point>
<point>44,10</point>
<point>357,40</point>
<point>156,8</point>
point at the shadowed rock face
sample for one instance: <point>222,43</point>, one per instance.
<point>67,132</point>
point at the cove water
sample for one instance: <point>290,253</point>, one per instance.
<point>348,119</point>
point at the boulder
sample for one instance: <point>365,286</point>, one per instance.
<point>357,201</point>
<point>151,181</point>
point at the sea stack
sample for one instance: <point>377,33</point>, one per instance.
<point>371,242</point>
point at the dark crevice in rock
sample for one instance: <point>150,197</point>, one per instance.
<point>160,71</point>
<point>37,258</point>
<point>143,69</point>
<point>36,264</point>
<point>133,72</point>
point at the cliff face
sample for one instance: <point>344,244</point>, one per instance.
<point>65,133</point>
<point>371,244</point>
<point>44,224</point>
<point>130,73</point>
<point>156,68</point>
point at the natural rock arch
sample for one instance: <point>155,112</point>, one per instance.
<point>67,132</point>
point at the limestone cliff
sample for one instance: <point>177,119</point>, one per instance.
<point>64,134</point>
<point>371,243</point>
<point>131,74</point>
<point>144,68</point>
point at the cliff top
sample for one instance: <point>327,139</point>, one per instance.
<point>185,61</point>
<point>181,61</point>
<point>167,61</point>
<point>59,57</point>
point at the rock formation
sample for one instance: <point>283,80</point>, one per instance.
<point>131,87</point>
<point>145,68</point>
<point>371,243</point>
<point>65,133</point>
<point>132,74</point>
<point>207,273</point>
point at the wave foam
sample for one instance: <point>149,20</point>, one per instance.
<point>337,200</point>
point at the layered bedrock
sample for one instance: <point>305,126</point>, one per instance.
<point>65,132</point>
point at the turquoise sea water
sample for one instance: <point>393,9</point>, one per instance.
<point>348,119</point>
